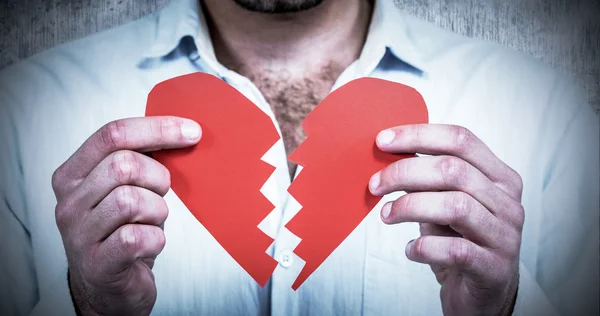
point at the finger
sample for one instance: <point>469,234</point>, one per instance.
<point>452,252</point>
<point>445,173</point>
<point>449,208</point>
<point>426,229</point>
<point>125,205</point>
<point>139,134</point>
<point>437,230</point>
<point>438,139</point>
<point>122,168</point>
<point>127,244</point>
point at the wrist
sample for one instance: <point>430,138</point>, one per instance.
<point>78,297</point>
<point>509,306</point>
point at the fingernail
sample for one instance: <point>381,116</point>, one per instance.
<point>374,182</point>
<point>385,137</point>
<point>409,247</point>
<point>386,210</point>
<point>190,130</point>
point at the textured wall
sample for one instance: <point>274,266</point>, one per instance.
<point>562,33</point>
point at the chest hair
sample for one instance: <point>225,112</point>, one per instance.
<point>291,99</point>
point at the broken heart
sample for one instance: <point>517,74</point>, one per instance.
<point>219,179</point>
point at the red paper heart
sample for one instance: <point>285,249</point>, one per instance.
<point>339,156</point>
<point>219,179</point>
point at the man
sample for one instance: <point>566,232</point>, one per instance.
<point>501,214</point>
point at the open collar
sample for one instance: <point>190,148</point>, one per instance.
<point>181,18</point>
<point>178,19</point>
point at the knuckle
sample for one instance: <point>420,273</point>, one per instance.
<point>512,253</point>
<point>63,214</point>
<point>517,181</point>
<point>453,171</point>
<point>57,179</point>
<point>124,166</point>
<point>163,128</point>
<point>460,252</point>
<point>61,217</point>
<point>461,138</point>
<point>402,205</point>
<point>167,178</point>
<point>113,135</point>
<point>519,216</point>
<point>127,200</point>
<point>161,240</point>
<point>512,181</point>
<point>417,132</point>
<point>419,247</point>
<point>398,172</point>
<point>163,211</point>
<point>158,128</point>
<point>130,238</point>
<point>457,205</point>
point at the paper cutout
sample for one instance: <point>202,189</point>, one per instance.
<point>219,179</point>
<point>339,156</point>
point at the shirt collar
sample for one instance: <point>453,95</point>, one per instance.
<point>387,33</point>
<point>176,20</point>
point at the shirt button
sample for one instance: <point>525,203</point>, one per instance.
<point>286,258</point>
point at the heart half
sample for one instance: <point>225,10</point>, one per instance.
<point>219,179</point>
<point>339,156</point>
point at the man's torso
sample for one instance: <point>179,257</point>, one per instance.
<point>62,97</point>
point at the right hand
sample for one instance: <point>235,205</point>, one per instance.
<point>110,211</point>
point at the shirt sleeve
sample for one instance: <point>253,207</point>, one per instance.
<point>19,293</point>
<point>56,300</point>
<point>16,266</point>
<point>563,278</point>
<point>531,299</point>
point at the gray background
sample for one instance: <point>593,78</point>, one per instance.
<point>562,33</point>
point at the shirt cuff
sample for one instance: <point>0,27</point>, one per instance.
<point>531,299</point>
<point>56,299</point>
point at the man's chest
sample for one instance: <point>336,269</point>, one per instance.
<point>292,98</point>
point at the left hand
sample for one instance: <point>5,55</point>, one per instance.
<point>468,205</point>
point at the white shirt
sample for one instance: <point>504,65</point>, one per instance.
<point>529,116</point>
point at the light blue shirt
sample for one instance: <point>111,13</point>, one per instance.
<point>531,118</point>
